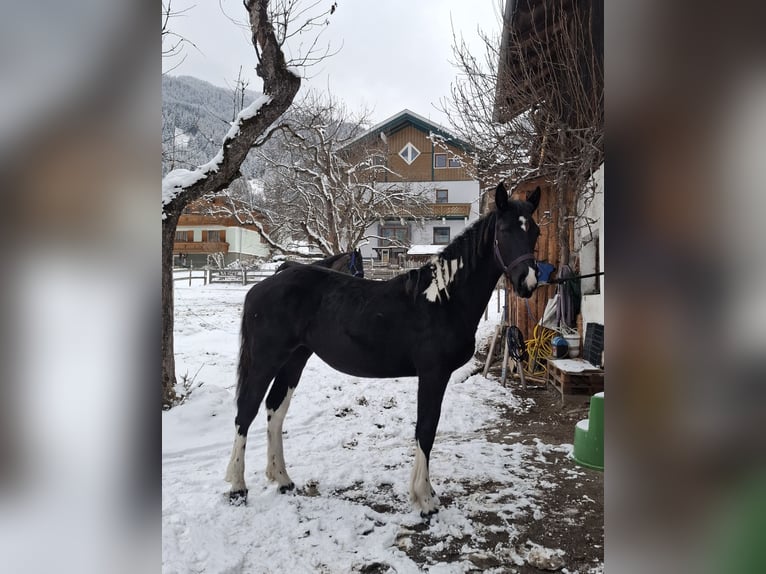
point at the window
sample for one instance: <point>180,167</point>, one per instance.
<point>393,235</point>
<point>215,236</point>
<point>455,162</point>
<point>440,160</point>
<point>590,263</point>
<point>183,236</point>
<point>441,235</point>
<point>409,153</point>
<point>442,196</point>
<point>378,159</point>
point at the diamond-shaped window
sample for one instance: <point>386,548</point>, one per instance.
<point>409,153</point>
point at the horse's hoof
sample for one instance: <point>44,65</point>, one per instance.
<point>286,488</point>
<point>238,497</point>
<point>429,514</point>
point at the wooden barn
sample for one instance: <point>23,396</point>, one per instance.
<point>540,40</point>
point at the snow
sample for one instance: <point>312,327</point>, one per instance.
<point>574,365</point>
<point>425,249</point>
<point>179,179</point>
<point>349,447</point>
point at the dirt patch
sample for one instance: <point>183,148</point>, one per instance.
<point>568,521</point>
<point>574,509</point>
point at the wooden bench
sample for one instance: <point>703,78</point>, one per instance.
<point>574,378</point>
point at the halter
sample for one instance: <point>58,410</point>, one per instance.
<point>506,269</point>
<point>355,271</point>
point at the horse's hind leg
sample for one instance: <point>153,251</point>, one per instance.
<point>254,381</point>
<point>277,403</point>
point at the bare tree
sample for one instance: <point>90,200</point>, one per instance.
<point>271,26</point>
<point>325,184</point>
<point>533,105</point>
<point>172,43</point>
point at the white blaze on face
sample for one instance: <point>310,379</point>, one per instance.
<point>444,272</point>
<point>531,279</point>
<point>524,223</point>
<point>235,473</point>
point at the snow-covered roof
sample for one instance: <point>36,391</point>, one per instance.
<point>425,249</point>
<point>398,121</point>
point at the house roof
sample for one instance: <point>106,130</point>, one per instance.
<point>526,22</point>
<point>407,117</point>
<point>425,249</point>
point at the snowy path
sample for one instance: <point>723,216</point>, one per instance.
<point>349,449</point>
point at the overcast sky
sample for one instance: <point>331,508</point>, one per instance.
<point>394,54</point>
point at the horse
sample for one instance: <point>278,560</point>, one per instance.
<point>351,263</point>
<point>421,323</point>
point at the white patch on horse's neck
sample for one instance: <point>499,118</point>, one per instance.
<point>443,273</point>
<point>524,224</point>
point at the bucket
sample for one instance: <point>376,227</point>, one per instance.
<point>589,436</point>
<point>573,341</point>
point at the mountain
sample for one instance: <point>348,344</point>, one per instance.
<point>195,117</point>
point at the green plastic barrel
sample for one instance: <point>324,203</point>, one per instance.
<point>589,436</point>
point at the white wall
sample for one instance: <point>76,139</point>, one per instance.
<point>240,240</point>
<point>422,234</point>
<point>593,304</point>
<point>246,242</point>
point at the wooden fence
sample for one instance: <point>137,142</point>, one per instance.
<point>231,276</point>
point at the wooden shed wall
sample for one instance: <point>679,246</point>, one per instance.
<point>546,250</point>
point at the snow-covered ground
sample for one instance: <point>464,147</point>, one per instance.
<point>349,449</point>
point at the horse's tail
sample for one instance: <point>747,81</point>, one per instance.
<point>245,350</point>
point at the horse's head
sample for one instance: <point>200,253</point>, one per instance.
<point>356,264</point>
<point>515,237</point>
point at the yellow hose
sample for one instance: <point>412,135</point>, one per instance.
<point>539,348</point>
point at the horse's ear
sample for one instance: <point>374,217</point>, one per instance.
<point>501,197</point>
<point>534,198</point>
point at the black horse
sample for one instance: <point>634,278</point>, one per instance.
<point>420,323</point>
<point>351,263</point>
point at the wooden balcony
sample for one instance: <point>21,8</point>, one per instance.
<point>450,209</point>
<point>196,247</point>
<point>437,211</point>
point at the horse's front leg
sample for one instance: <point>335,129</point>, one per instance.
<point>430,395</point>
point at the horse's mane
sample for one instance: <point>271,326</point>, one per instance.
<point>469,244</point>
<point>327,261</point>
<point>466,248</point>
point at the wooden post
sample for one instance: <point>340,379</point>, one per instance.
<point>206,279</point>
<point>190,275</point>
<point>244,277</point>
<point>491,350</point>
<point>520,368</point>
<point>505,361</point>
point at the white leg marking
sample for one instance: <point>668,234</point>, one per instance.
<point>531,279</point>
<point>235,473</point>
<point>275,458</point>
<point>420,484</point>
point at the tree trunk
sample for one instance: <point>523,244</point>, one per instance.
<point>280,85</point>
<point>168,355</point>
